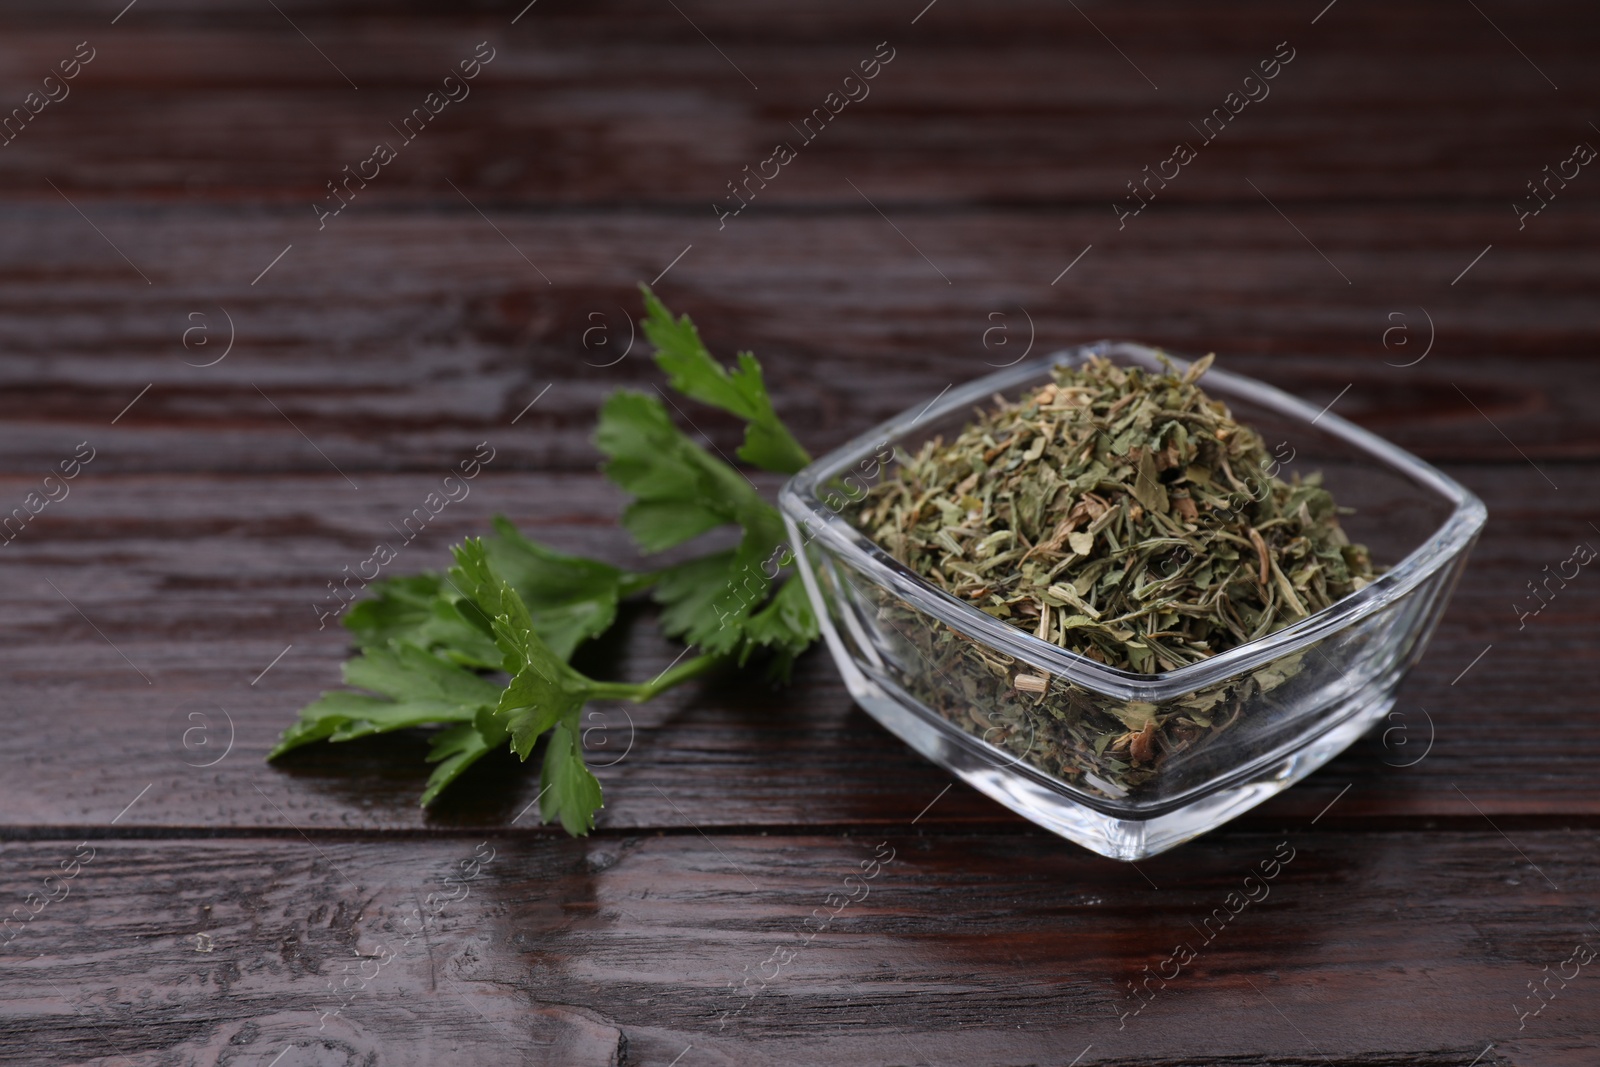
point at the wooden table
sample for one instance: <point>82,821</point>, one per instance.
<point>1351,236</point>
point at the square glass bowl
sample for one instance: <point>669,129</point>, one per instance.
<point>1018,718</point>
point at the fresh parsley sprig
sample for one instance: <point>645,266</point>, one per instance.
<point>428,642</point>
<point>694,372</point>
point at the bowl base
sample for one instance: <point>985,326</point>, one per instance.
<point>1004,779</point>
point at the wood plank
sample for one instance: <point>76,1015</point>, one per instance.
<point>987,949</point>
<point>398,340</point>
<point>600,104</point>
<point>203,581</point>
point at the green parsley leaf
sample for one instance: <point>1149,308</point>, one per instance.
<point>539,695</point>
<point>684,491</point>
<point>570,791</point>
<point>509,618</point>
<point>688,593</point>
<point>569,598</point>
<point>545,694</point>
<point>418,689</point>
<point>422,610</point>
<point>543,688</point>
<point>459,747</point>
<point>680,489</point>
<point>786,626</point>
<point>709,601</point>
<point>407,673</point>
<point>694,372</point>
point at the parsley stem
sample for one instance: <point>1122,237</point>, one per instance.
<point>641,691</point>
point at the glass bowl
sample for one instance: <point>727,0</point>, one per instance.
<point>1027,722</point>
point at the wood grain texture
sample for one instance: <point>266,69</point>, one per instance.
<point>607,103</point>
<point>1361,215</point>
<point>200,582</point>
<point>393,342</point>
<point>1363,949</point>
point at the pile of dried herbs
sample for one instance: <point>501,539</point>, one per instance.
<point>1121,514</point>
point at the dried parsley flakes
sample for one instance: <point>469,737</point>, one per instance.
<point>1121,514</point>
<point>1126,516</point>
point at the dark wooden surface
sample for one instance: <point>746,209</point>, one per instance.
<point>222,907</point>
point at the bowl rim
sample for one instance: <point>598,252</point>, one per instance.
<point>799,500</point>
